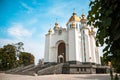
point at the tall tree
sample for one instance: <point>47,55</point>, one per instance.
<point>26,58</point>
<point>7,57</point>
<point>105,16</point>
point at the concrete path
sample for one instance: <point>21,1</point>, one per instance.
<point>4,76</point>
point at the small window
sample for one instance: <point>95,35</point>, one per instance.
<point>70,25</point>
<point>84,69</point>
<point>77,69</point>
<point>81,69</point>
<point>79,25</point>
<point>83,32</point>
<point>76,26</point>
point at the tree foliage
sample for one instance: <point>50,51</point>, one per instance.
<point>105,16</point>
<point>103,61</point>
<point>26,58</point>
<point>8,58</point>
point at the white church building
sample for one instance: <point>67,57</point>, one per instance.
<point>75,43</point>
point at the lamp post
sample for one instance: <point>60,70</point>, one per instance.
<point>8,65</point>
<point>111,72</point>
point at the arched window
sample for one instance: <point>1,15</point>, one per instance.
<point>70,26</point>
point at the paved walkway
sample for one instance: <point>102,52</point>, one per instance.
<point>4,76</point>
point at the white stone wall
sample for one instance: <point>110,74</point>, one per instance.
<point>89,49</point>
<point>93,46</point>
<point>72,45</point>
<point>78,42</point>
<point>47,45</point>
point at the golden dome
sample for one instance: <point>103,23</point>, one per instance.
<point>56,23</point>
<point>83,17</point>
<point>56,26</point>
<point>50,31</point>
<point>74,17</point>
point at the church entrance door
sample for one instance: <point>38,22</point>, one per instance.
<point>61,52</point>
<point>61,60</point>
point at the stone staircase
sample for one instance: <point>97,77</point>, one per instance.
<point>20,70</point>
<point>49,68</point>
<point>54,69</point>
<point>26,70</point>
<point>15,69</point>
<point>33,69</point>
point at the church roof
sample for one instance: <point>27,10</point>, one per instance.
<point>74,17</point>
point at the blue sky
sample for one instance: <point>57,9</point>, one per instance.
<point>29,20</point>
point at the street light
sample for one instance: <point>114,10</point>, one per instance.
<point>111,72</point>
<point>8,65</point>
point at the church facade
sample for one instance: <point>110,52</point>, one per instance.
<point>75,43</point>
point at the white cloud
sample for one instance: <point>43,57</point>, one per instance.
<point>29,9</point>
<point>18,31</point>
<point>6,41</point>
<point>32,21</point>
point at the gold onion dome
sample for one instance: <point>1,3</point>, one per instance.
<point>83,17</point>
<point>56,23</point>
<point>74,17</point>
<point>50,30</point>
<point>56,26</point>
